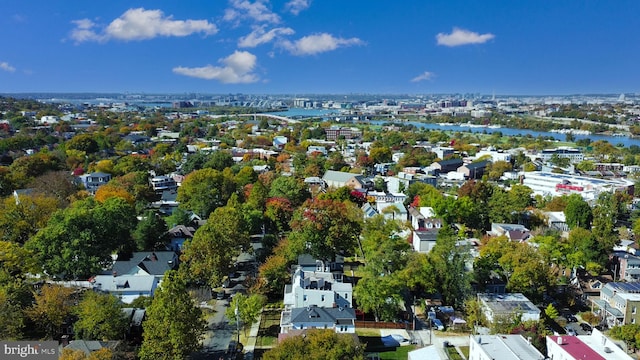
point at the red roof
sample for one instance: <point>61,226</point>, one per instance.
<point>573,346</point>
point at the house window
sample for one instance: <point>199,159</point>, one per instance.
<point>633,321</point>
<point>346,296</point>
<point>321,297</point>
<point>633,310</point>
<point>304,298</point>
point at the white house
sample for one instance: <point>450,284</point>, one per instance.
<point>318,288</point>
<point>341,320</point>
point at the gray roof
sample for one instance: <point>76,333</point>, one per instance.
<point>153,263</point>
<point>89,346</point>
<point>338,176</point>
<point>322,315</point>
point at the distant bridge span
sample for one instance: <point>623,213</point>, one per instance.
<point>256,116</point>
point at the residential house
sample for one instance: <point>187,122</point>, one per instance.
<point>138,276</point>
<point>314,149</point>
<point>368,210</point>
<point>474,170</point>
<point>620,303</point>
<point>341,320</point>
<point>393,210</point>
<point>339,179</point>
<point>595,346</point>
<point>137,139</point>
<point>167,204</point>
<point>628,266</point>
<point>178,235</point>
<point>323,291</point>
<point>513,232</point>
<point>425,228</point>
<point>279,142</point>
<point>94,180</point>
<point>163,183</point>
<point>503,347</point>
<point>445,166</point>
<point>502,305</point>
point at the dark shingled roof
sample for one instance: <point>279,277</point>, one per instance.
<point>154,263</point>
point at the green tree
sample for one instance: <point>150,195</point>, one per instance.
<point>204,190</point>
<point>551,312</point>
<point>453,280</point>
<point>578,212</point>
<point>174,325</point>
<point>100,317</point>
<point>11,317</point>
<point>22,217</point>
<point>208,256</point>
<point>151,232</point>
<point>82,142</point>
<point>219,160</point>
<point>249,309</point>
<point>295,190</point>
<point>317,345</point>
<point>326,228</point>
<point>51,308</point>
<point>78,241</point>
<point>379,155</point>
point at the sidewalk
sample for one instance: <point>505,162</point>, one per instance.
<point>250,346</point>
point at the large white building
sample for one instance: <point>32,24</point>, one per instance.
<point>574,155</point>
<point>503,347</point>
<point>552,184</point>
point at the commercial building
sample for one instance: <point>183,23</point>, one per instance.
<point>552,184</point>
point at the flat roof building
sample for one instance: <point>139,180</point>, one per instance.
<point>593,347</point>
<point>503,347</point>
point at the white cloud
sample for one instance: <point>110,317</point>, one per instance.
<point>318,43</point>
<point>256,11</point>
<point>84,31</point>
<point>424,76</point>
<point>460,37</point>
<point>140,24</point>
<point>6,67</point>
<point>238,69</point>
<point>296,6</point>
<point>258,36</point>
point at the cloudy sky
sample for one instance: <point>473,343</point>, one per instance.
<point>320,46</point>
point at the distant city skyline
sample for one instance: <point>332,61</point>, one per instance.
<point>320,47</point>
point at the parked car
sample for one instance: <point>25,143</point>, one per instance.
<point>571,318</point>
<point>437,324</point>
<point>570,331</point>
<point>586,327</point>
<point>220,295</point>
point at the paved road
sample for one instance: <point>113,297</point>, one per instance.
<point>219,331</point>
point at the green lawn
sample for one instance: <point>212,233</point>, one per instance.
<point>453,354</point>
<point>269,329</point>
<point>374,345</point>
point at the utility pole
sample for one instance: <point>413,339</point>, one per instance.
<point>237,322</point>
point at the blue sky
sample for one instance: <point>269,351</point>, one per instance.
<point>320,46</point>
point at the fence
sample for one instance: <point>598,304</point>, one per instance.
<point>383,325</point>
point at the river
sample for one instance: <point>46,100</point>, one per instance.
<point>614,140</point>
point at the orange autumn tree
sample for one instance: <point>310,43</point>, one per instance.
<point>108,191</point>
